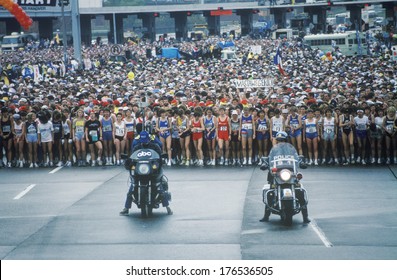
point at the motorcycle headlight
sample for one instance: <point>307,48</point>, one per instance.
<point>144,169</point>
<point>285,175</point>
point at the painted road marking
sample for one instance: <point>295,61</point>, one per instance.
<point>55,170</point>
<point>25,191</point>
<point>321,234</point>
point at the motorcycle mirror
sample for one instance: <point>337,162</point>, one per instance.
<point>127,164</point>
<point>264,166</point>
<point>164,156</point>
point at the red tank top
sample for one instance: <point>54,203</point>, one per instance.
<point>223,126</point>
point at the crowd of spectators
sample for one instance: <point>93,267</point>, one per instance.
<point>336,109</point>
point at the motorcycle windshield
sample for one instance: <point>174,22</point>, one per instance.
<point>145,154</point>
<point>283,155</point>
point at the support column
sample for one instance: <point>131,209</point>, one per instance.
<point>120,28</point>
<point>246,21</point>
<point>149,25</point>
<point>12,25</point>
<point>318,17</point>
<point>355,16</point>
<point>180,25</point>
<point>391,10</point>
<point>111,28</point>
<point>279,17</point>
<point>86,29</point>
<point>46,28</point>
<point>214,24</point>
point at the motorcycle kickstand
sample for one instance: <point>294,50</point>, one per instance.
<point>169,211</point>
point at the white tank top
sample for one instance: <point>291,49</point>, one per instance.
<point>361,123</point>
<point>329,125</point>
<point>277,124</point>
<point>120,128</point>
<point>18,128</point>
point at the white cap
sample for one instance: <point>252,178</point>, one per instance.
<point>234,112</point>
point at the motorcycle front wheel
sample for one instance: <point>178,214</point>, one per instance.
<point>288,219</point>
<point>146,209</point>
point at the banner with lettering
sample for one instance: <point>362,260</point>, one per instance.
<point>37,2</point>
<point>254,83</point>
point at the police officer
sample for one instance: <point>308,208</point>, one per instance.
<point>147,141</point>
<point>282,137</point>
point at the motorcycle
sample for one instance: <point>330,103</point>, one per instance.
<point>150,186</point>
<point>284,194</point>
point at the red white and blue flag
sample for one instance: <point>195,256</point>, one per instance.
<point>279,62</point>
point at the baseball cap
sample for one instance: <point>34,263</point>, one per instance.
<point>234,112</point>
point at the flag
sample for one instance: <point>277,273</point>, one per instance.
<point>279,62</point>
<point>57,40</point>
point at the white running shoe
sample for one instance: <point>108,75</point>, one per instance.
<point>315,162</point>
<point>20,164</point>
<point>93,163</point>
<point>169,163</point>
<point>249,161</point>
<point>244,161</point>
<point>59,164</point>
<point>31,165</point>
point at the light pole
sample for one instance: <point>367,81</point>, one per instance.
<point>76,30</point>
<point>64,37</point>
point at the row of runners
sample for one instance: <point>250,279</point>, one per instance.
<point>216,135</point>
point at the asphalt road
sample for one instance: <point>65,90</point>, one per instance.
<point>72,213</point>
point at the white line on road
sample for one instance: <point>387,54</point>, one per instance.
<point>55,170</point>
<point>25,191</point>
<point>320,234</point>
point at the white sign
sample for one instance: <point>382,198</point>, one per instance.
<point>253,83</point>
<point>116,50</point>
<point>256,49</point>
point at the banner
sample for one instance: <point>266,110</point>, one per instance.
<point>37,2</point>
<point>253,83</point>
<point>256,49</point>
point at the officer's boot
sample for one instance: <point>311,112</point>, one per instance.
<point>305,216</point>
<point>266,216</point>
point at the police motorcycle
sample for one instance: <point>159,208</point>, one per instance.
<point>284,194</point>
<point>148,185</point>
